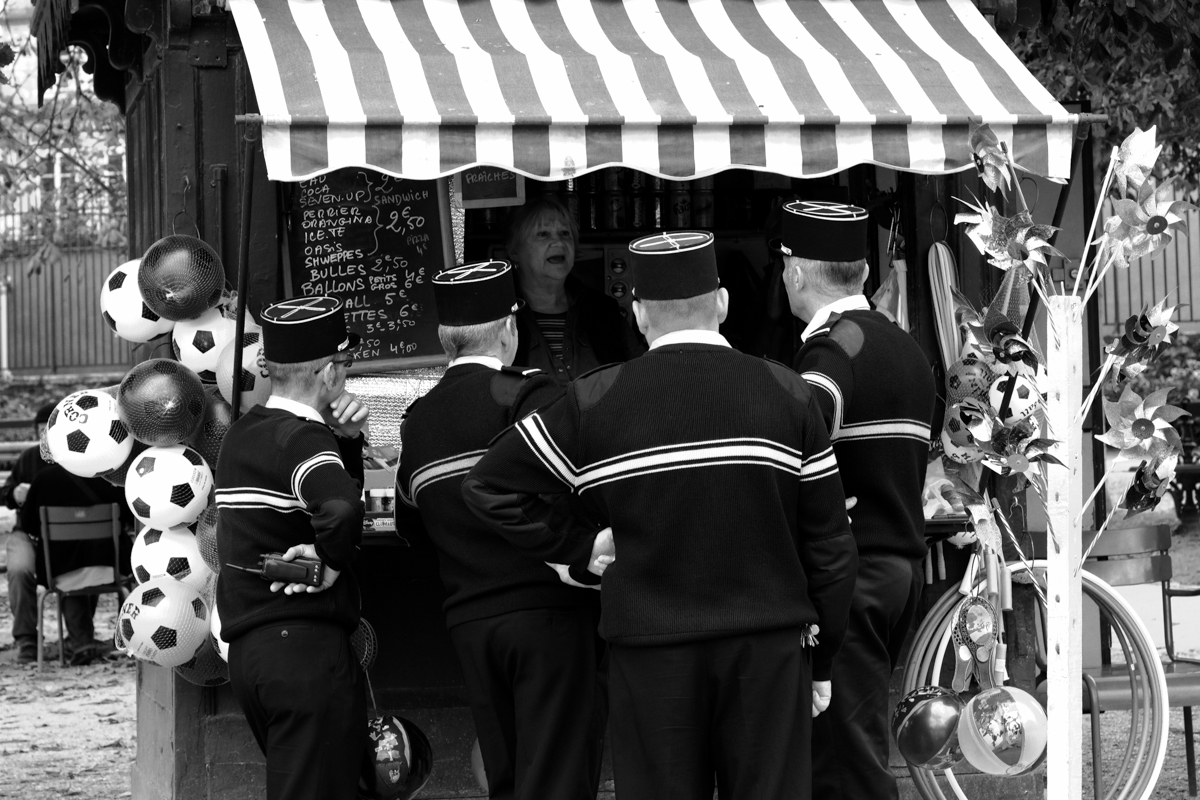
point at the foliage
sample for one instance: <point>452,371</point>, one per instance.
<point>1177,367</point>
<point>1137,60</point>
<point>61,163</point>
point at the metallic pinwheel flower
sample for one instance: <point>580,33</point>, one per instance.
<point>1144,225</point>
<point>1144,335</point>
<point>1149,484</point>
<point>1008,241</point>
<point>1142,428</point>
<point>991,162</point>
<point>1135,161</point>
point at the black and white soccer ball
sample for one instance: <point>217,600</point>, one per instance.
<point>85,433</point>
<point>124,309</point>
<point>174,552</point>
<point>164,622</point>
<point>198,342</point>
<point>168,486</point>
<point>254,377</point>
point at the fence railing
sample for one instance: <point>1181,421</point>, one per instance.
<point>1173,271</point>
<point>53,315</point>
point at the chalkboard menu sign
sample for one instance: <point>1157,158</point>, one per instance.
<point>489,187</point>
<point>376,242</point>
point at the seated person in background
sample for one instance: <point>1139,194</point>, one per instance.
<point>35,484</point>
<point>565,329</point>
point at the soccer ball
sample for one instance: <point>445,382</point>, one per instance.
<point>164,622</point>
<point>206,667</point>
<point>1024,401</point>
<point>969,377</point>
<point>125,311</point>
<point>85,434</point>
<point>174,552</point>
<point>215,627</point>
<point>168,486</point>
<point>210,434</point>
<point>255,379</point>
<point>198,342</point>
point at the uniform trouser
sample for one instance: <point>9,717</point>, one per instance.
<point>303,693</point>
<point>531,677</point>
<point>851,739</point>
<point>22,596</point>
<point>738,707</point>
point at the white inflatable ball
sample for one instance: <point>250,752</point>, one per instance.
<point>221,645</point>
<point>124,309</point>
<point>1024,401</point>
<point>198,342</point>
<point>85,434</point>
<point>164,622</point>
<point>254,377</point>
<point>174,552</point>
<point>961,454</point>
<point>168,486</point>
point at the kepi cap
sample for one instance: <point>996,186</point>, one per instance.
<point>823,231</point>
<point>472,294</point>
<point>305,329</point>
<point>674,265</point>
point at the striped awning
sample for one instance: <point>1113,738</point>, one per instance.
<point>676,88</point>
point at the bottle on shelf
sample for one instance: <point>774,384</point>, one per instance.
<point>571,201</point>
<point>657,212</point>
<point>637,201</point>
<point>589,205</point>
<point>703,201</point>
<point>679,201</point>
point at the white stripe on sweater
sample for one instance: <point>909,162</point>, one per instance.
<point>257,498</point>
<point>829,385</point>
<point>304,467</point>
<point>884,429</point>
<point>441,469</point>
<point>533,431</point>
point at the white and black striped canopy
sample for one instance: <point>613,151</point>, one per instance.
<point>676,88</point>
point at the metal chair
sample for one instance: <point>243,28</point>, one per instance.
<point>1132,557</point>
<point>77,524</point>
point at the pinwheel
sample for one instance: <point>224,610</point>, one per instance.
<point>1008,241</point>
<point>991,162</point>
<point>1149,484</point>
<point>1145,225</point>
<point>1134,160</point>
<point>1144,335</point>
<point>1024,458</point>
<point>1142,428</point>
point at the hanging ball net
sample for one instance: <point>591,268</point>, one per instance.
<point>85,434</point>
<point>181,277</point>
<point>206,537</point>
<point>164,622</point>
<point>125,311</point>
<point>174,552</point>
<point>365,644</point>
<point>210,434</point>
<point>206,667</point>
<point>161,401</point>
<point>168,486</point>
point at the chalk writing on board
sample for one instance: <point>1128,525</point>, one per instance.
<point>374,241</point>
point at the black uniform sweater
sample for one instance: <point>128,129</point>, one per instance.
<point>715,472</point>
<point>281,481</point>
<point>877,395</point>
<point>443,435</point>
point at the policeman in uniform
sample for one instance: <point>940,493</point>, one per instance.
<point>524,637</point>
<point>876,394</point>
<point>289,480</point>
<point>730,534</point>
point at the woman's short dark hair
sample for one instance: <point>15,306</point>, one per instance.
<point>521,219</point>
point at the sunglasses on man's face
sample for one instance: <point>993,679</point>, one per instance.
<point>348,361</point>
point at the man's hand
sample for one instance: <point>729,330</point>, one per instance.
<point>20,492</point>
<point>822,692</point>
<point>308,551</point>
<point>851,502</point>
<point>604,552</point>
<point>347,415</point>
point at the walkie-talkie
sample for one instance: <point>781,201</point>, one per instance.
<point>272,567</point>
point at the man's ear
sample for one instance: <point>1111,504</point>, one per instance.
<point>639,316</point>
<point>722,304</point>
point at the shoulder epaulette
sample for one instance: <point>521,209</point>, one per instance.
<point>592,385</point>
<point>789,379</point>
<point>848,334</point>
<point>508,381</point>
<point>826,327</point>
<point>525,371</point>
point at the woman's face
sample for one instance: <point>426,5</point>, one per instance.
<point>546,253</point>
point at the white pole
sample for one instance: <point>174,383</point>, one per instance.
<point>1064,583</point>
<point>5,374</point>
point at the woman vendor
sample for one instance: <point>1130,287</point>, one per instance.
<point>565,328</point>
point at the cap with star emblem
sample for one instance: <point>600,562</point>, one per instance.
<point>472,294</point>
<point>305,329</point>
<point>674,265</point>
<point>823,231</point>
